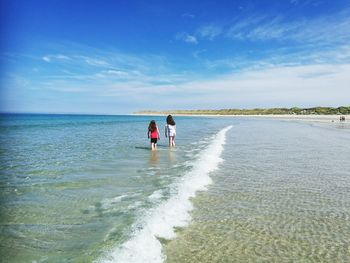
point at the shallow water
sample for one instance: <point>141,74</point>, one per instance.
<point>86,188</point>
<point>282,194</point>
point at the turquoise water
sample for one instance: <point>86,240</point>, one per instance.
<point>87,189</point>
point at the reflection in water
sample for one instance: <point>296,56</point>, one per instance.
<point>171,156</point>
<point>153,161</point>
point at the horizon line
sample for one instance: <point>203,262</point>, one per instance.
<point>160,111</point>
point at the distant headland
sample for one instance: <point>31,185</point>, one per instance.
<point>343,110</point>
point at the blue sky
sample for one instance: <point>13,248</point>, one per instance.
<point>118,57</point>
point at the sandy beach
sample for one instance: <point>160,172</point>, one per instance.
<point>308,118</point>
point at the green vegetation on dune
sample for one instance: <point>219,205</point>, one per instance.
<point>270,111</point>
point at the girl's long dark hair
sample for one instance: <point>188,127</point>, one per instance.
<point>152,126</point>
<point>170,120</point>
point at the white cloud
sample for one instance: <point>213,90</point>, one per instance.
<point>50,58</point>
<point>46,58</point>
<point>277,86</point>
<point>209,31</point>
<point>186,38</point>
<point>272,30</point>
<point>322,30</point>
<point>91,61</point>
<point>276,80</point>
<point>116,72</point>
<point>261,28</point>
<point>283,86</point>
<point>191,39</point>
<point>94,61</point>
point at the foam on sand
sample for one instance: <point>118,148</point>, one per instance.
<point>144,246</point>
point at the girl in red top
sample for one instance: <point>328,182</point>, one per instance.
<point>153,133</point>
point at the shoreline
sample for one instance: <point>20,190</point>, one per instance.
<point>308,118</point>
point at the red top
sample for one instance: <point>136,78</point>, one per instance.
<point>154,134</point>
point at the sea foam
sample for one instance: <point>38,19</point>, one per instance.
<point>144,246</point>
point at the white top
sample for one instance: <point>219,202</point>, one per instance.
<point>170,130</point>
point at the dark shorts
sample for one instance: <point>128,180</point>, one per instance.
<point>153,140</point>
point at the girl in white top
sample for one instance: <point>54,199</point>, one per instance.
<point>170,130</point>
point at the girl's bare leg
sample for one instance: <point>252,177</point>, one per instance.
<point>171,141</point>
<point>152,146</point>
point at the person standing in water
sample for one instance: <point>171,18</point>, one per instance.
<point>153,134</point>
<point>170,130</point>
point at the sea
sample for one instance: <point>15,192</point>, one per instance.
<point>87,188</point>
